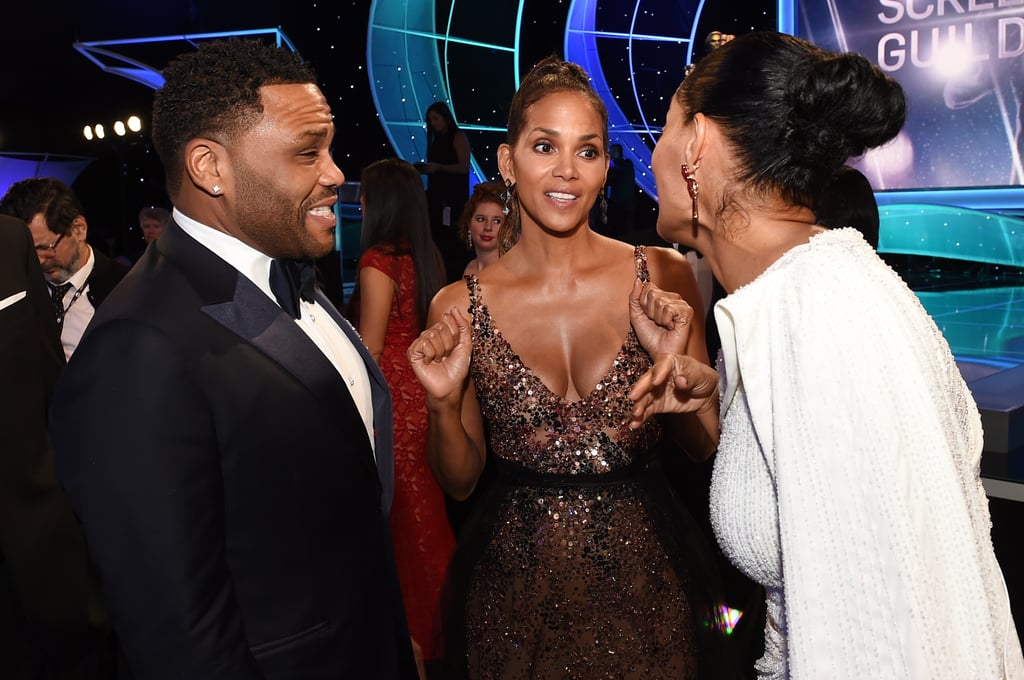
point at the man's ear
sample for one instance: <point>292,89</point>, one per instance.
<point>79,228</point>
<point>206,163</point>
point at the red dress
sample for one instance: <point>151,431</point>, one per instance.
<point>420,531</point>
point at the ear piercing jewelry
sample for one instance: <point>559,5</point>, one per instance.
<point>216,188</point>
<point>506,196</point>
<point>690,175</point>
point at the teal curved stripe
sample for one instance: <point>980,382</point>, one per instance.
<point>951,232</point>
<point>581,47</point>
<point>406,73</point>
<point>637,137</point>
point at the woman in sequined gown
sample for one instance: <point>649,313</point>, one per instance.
<point>846,480</point>
<point>399,272</point>
<point>578,563</point>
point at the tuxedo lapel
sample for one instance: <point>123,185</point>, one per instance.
<point>383,423</point>
<point>239,305</point>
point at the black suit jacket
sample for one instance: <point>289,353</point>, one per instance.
<point>237,517</point>
<point>50,613</point>
<point>106,273</point>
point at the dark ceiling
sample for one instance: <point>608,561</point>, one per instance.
<point>49,91</point>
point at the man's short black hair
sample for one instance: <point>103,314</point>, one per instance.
<point>214,92</point>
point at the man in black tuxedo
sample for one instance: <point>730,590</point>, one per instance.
<point>52,624</point>
<point>80,276</point>
<point>238,513</point>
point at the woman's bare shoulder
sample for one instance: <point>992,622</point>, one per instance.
<point>665,256</point>
<point>664,261</point>
<point>453,295</point>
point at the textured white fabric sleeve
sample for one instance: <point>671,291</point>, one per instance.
<point>874,444</point>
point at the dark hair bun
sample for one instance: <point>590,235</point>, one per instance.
<point>843,105</point>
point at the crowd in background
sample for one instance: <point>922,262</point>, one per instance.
<point>512,451</point>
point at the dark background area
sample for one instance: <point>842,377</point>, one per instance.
<point>49,91</point>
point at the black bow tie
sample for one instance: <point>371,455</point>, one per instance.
<point>291,280</point>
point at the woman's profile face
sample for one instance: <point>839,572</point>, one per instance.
<point>675,208</point>
<point>484,226</point>
<point>437,122</point>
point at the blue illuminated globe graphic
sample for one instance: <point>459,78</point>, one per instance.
<point>636,52</point>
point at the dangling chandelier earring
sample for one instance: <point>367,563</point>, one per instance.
<point>692,187</point>
<point>506,196</point>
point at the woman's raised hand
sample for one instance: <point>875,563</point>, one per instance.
<point>661,319</point>
<point>674,384</point>
<point>440,356</point>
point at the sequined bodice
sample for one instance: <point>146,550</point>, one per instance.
<point>544,432</point>
<point>566,573</point>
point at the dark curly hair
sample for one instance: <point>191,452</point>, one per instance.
<point>214,92</point>
<point>51,197</point>
<point>792,112</point>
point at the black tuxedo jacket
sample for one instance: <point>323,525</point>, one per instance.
<point>106,273</point>
<point>237,516</point>
<point>50,613</point>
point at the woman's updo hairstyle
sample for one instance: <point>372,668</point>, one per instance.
<point>792,112</point>
<point>549,76</point>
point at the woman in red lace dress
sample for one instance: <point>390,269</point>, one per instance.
<point>399,271</point>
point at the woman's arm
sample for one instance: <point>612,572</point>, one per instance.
<point>440,358</point>
<point>376,296</point>
<point>696,429</point>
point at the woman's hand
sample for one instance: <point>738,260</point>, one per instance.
<point>440,356</point>
<point>661,319</point>
<point>674,384</point>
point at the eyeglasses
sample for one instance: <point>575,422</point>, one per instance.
<point>51,247</point>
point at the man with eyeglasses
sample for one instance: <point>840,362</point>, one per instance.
<point>79,276</point>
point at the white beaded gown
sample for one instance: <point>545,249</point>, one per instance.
<point>847,478</point>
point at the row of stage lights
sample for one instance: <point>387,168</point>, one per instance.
<point>121,128</point>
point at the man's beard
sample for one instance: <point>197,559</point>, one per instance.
<point>62,274</point>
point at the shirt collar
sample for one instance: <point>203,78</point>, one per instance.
<point>249,262</point>
<point>81,277</point>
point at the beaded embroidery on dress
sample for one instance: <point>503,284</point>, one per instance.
<point>568,572</point>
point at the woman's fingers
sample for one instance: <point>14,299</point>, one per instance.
<point>675,383</point>
<point>437,342</point>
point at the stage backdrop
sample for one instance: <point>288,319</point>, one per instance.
<point>961,63</point>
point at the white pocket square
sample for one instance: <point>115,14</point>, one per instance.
<point>11,299</point>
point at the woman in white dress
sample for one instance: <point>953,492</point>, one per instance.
<point>847,477</point>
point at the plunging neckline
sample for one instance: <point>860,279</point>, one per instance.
<point>598,386</point>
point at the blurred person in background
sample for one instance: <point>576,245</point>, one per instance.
<point>400,270</point>
<point>483,227</point>
<point>80,276</point>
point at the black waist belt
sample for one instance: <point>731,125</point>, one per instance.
<point>516,474</point>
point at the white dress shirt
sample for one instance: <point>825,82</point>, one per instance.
<point>314,321</point>
<point>78,311</point>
